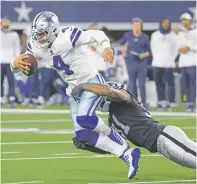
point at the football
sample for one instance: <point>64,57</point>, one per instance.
<point>34,65</point>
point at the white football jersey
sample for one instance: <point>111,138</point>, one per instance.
<point>68,55</point>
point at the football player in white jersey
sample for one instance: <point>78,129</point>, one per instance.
<point>63,50</point>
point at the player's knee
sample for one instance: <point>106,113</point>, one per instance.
<point>89,122</point>
<point>88,136</point>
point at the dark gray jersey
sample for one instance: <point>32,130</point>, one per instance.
<point>134,122</point>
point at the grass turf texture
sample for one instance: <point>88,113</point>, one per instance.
<point>47,160</point>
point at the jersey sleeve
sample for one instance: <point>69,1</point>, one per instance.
<point>79,37</point>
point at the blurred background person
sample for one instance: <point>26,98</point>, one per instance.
<point>10,49</point>
<point>117,71</point>
<point>187,60</point>
<point>135,46</point>
<point>164,53</point>
<point>96,52</point>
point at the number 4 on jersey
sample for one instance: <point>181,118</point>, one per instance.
<point>59,64</point>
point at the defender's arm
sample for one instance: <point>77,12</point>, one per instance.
<point>103,90</point>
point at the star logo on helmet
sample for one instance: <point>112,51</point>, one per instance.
<point>49,20</point>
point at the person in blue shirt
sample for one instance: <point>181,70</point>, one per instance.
<point>135,46</point>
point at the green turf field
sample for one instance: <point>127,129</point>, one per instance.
<point>42,152</point>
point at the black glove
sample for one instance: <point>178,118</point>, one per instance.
<point>85,146</point>
<point>77,90</point>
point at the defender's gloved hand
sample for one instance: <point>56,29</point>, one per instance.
<point>85,146</point>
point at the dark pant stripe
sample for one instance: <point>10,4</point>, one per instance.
<point>179,144</point>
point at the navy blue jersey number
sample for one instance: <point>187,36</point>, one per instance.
<point>59,64</point>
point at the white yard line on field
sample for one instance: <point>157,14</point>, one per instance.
<point>60,154</point>
<point>45,111</point>
<point>36,121</point>
<point>60,131</point>
<point>24,182</point>
<point>72,157</point>
<point>11,152</point>
<point>69,120</point>
<point>45,142</point>
<point>155,182</point>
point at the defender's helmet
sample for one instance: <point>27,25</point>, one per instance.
<point>46,24</point>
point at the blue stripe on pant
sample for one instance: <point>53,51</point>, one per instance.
<point>6,71</point>
<point>189,82</point>
<point>87,105</point>
<point>162,75</point>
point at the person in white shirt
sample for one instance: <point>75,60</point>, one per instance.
<point>10,49</point>
<point>186,40</point>
<point>96,54</point>
<point>164,52</point>
<point>117,71</point>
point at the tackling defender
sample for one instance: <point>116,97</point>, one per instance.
<point>130,118</point>
<point>64,51</point>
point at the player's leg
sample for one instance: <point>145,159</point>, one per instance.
<point>169,78</point>
<point>98,134</point>
<point>142,80</point>
<point>11,82</point>
<point>192,86</point>
<point>107,143</point>
<point>174,144</point>
<point>89,103</point>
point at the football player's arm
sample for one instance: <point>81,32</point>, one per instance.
<point>19,63</point>
<point>91,36</point>
<point>103,90</point>
<point>79,37</point>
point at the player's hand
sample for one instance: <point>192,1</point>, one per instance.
<point>20,63</point>
<point>184,50</point>
<point>77,90</point>
<point>108,55</point>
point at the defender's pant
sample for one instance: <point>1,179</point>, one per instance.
<point>189,82</point>
<point>162,75</point>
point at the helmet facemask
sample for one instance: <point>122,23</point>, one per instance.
<point>45,29</point>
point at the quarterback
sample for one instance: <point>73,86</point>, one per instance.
<point>65,50</point>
